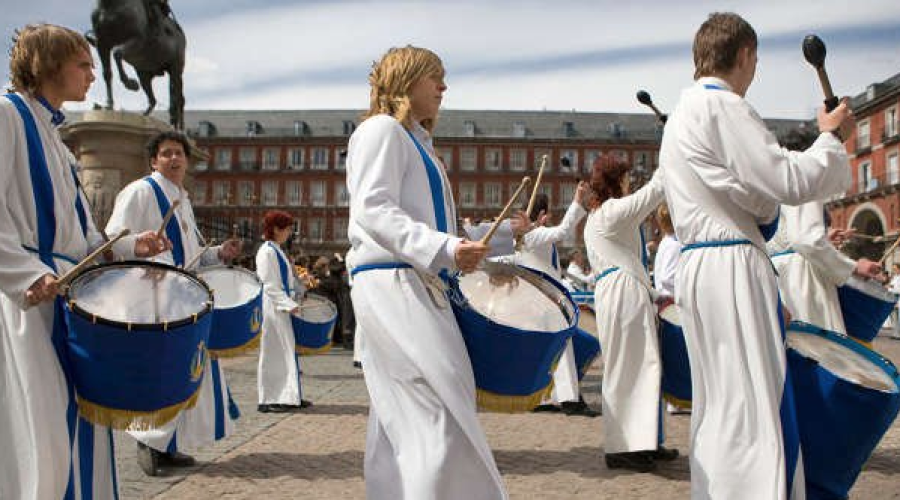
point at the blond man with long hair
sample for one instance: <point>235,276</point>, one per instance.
<point>424,440</point>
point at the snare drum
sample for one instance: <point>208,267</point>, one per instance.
<point>137,341</point>
<point>865,305</point>
<point>676,376</point>
<point>846,397</point>
<point>237,316</point>
<point>314,325</point>
<point>515,322</point>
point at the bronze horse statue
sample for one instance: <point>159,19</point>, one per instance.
<point>145,34</point>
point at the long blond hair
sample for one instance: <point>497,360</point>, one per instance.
<point>392,78</point>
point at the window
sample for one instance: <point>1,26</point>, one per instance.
<point>469,127</point>
<point>467,194</point>
<point>493,158</point>
<point>270,193</point>
<point>202,165</point>
<point>315,229</point>
<point>246,195</point>
<point>467,160</point>
<point>590,156</point>
<point>319,159</point>
<point>223,159</point>
<point>221,192</point>
<point>518,159</point>
<point>893,168</point>
<point>864,177</point>
<point>248,159</point>
<point>567,192</point>
<point>862,135</point>
<point>339,229</point>
<point>538,158</point>
<point>446,154</point>
<point>493,194</point>
<point>519,129</point>
<point>317,194</point>
<point>293,191</point>
<point>270,159</point>
<point>568,161</point>
<point>295,159</point>
<point>890,122</point>
<point>199,195</point>
<point>619,155</point>
<point>547,189</point>
<point>341,195</point>
<point>341,160</point>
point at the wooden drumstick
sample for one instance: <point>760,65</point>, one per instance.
<point>196,258</point>
<point>889,251</point>
<point>69,276</point>
<point>537,184</point>
<point>169,214</point>
<point>490,234</point>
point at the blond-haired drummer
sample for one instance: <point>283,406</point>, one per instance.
<point>424,438</point>
<point>46,228</point>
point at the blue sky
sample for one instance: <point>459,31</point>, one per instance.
<point>561,55</point>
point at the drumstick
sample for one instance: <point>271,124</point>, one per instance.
<point>889,251</point>
<point>169,214</point>
<point>69,276</point>
<point>537,184</point>
<point>814,52</point>
<point>196,258</point>
<point>490,234</point>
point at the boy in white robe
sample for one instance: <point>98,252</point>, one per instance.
<point>424,440</point>
<point>45,228</point>
<point>726,176</point>
<point>140,206</point>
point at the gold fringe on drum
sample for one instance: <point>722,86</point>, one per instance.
<point>504,403</point>
<point>252,345</point>
<point>131,419</point>
<point>680,403</point>
<point>312,351</point>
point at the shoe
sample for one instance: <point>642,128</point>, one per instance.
<point>148,459</point>
<point>664,454</point>
<point>305,403</point>
<point>638,461</point>
<point>176,459</point>
<point>578,408</point>
<point>546,408</point>
<point>357,364</point>
<point>273,408</point>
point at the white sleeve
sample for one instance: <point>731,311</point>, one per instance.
<point>636,206</point>
<point>269,273</point>
<point>811,241</point>
<point>129,212</point>
<point>547,235</point>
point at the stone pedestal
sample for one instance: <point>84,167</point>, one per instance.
<point>111,148</point>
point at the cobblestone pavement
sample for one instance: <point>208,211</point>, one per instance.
<point>318,453</point>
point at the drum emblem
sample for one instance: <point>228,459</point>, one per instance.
<point>255,320</point>
<point>198,363</point>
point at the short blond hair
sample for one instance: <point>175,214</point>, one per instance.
<point>38,54</point>
<point>392,78</point>
<point>718,41</point>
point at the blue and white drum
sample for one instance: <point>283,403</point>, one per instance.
<point>865,305</point>
<point>237,313</point>
<point>138,335</point>
<point>314,326</point>
<point>846,397</point>
<point>515,322</point>
<point>676,378</point>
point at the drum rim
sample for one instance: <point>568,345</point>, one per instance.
<point>196,272</point>
<point>93,318</point>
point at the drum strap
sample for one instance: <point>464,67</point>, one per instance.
<point>283,268</point>
<point>42,189</point>
<point>554,257</point>
<point>606,272</point>
<point>789,251</point>
<point>173,229</point>
<point>714,244</point>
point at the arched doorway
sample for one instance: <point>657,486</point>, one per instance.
<point>867,221</point>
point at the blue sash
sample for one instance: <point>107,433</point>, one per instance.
<point>283,268</point>
<point>437,191</point>
<point>173,231</point>
<point>554,258</point>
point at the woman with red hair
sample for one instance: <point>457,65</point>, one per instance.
<point>626,317</point>
<point>278,375</point>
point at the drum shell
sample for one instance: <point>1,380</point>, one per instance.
<point>235,329</point>
<point>864,314</point>
<point>840,422</point>
<point>676,372</point>
<point>312,337</point>
<point>587,349</point>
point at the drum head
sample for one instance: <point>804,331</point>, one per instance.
<point>317,309</point>
<point>138,293</point>
<point>871,288</point>
<point>516,297</point>
<point>840,360</point>
<point>231,286</point>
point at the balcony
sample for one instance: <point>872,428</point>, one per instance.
<point>874,187</point>
<point>889,137</point>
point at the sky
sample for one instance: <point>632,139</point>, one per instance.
<point>583,55</point>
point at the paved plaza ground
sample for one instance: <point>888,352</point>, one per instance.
<point>318,453</point>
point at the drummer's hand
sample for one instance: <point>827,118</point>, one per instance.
<point>44,289</point>
<point>150,243</point>
<point>543,219</point>
<point>583,194</point>
<point>519,223</point>
<point>230,249</point>
<point>468,254</point>
<point>786,314</point>
<point>839,119</point>
<point>867,268</point>
<point>295,311</point>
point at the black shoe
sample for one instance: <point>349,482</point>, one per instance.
<point>273,408</point>
<point>664,454</point>
<point>638,461</point>
<point>305,403</point>
<point>546,408</point>
<point>176,459</point>
<point>148,459</point>
<point>357,364</point>
<point>578,408</point>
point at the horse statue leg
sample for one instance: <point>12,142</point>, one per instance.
<point>146,78</point>
<point>103,51</point>
<point>176,98</point>
<point>129,83</point>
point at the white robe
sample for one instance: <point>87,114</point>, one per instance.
<point>726,175</point>
<point>808,278</point>
<point>213,416</point>
<point>33,395</point>
<point>626,321</point>
<point>665,266</point>
<point>278,373</point>
<point>424,439</point>
<point>538,247</point>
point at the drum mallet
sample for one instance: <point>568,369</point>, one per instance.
<point>814,52</point>
<point>64,281</point>
<point>490,234</point>
<point>643,97</point>
<point>190,265</point>
<point>169,214</point>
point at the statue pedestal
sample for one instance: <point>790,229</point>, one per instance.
<point>111,148</point>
